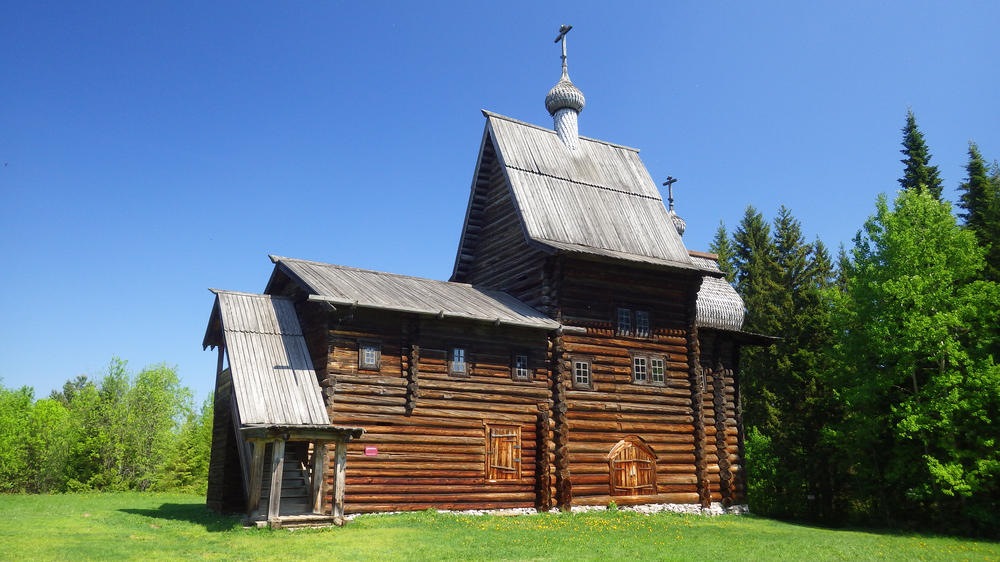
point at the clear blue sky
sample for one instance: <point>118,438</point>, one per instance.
<point>150,150</point>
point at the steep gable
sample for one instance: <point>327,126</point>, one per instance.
<point>597,199</point>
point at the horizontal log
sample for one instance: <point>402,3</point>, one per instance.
<point>506,487</point>
<point>628,426</point>
<point>596,478</point>
<point>372,507</point>
<point>432,458</point>
<point>485,409</point>
<point>406,471</point>
<point>665,460</point>
<point>370,388</point>
<point>636,393</point>
<point>381,433</point>
<point>414,480</point>
<point>368,379</point>
<point>369,399</point>
<point>462,390</point>
<point>677,414</point>
<point>438,498</point>
<point>358,412</point>
<point>605,447</point>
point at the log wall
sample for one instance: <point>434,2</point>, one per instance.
<point>615,406</point>
<point>502,258</point>
<point>429,426</point>
<point>723,418</point>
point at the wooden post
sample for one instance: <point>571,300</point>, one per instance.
<point>319,463</point>
<point>256,468</point>
<point>339,477</point>
<point>277,469</point>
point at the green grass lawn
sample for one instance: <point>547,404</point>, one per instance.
<point>173,526</point>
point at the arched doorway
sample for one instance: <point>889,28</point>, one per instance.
<point>632,468</point>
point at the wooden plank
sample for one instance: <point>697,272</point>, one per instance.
<point>277,470</point>
<point>339,475</point>
<point>318,467</point>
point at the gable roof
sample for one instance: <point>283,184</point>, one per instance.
<point>348,286</point>
<point>273,378</point>
<point>598,199</point>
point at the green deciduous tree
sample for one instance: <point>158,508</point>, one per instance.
<point>15,413</point>
<point>919,392</point>
<point>918,173</point>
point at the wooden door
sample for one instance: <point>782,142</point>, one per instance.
<point>632,468</point>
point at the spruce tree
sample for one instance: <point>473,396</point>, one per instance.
<point>979,199</point>
<point>722,247</point>
<point>918,174</point>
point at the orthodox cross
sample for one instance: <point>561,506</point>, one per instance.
<point>563,30</point>
<point>670,190</point>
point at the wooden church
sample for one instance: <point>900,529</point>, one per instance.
<point>579,354</point>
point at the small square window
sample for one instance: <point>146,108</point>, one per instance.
<point>642,323</point>
<point>369,356</point>
<point>581,373</point>
<point>657,368</point>
<point>520,371</point>
<point>457,365</point>
<point>624,321</point>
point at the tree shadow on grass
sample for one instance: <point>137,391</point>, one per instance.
<point>191,513</point>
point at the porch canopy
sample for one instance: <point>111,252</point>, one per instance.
<point>275,398</point>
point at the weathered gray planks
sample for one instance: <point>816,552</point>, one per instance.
<point>348,286</point>
<point>273,376</point>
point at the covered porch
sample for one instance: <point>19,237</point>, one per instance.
<point>272,441</point>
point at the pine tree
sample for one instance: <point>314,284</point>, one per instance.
<point>918,173</point>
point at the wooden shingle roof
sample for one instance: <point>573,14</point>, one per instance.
<point>350,287</point>
<point>273,377</point>
<point>719,305</point>
<point>598,199</point>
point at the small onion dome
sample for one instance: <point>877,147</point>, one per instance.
<point>679,223</point>
<point>564,95</point>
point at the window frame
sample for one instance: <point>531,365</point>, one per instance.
<point>589,362</point>
<point>663,370</point>
<point>516,369</point>
<point>637,361</point>
<point>648,359</point>
<point>623,321</point>
<point>364,365</point>
<point>465,370</point>
<point>642,329</point>
<point>627,322</point>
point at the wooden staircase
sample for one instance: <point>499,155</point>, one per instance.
<point>295,496</point>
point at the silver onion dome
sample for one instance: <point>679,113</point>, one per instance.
<point>564,95</point>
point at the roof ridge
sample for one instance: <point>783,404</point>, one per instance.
<point>489,113</point>
<point>277,259</point>
<point>246,294</point>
